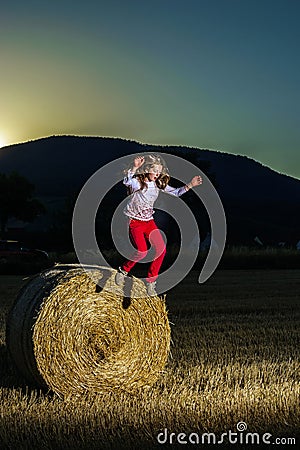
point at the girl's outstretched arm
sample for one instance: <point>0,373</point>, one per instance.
<point>129,180</point>
<point>175,191</point>
<point>181,190</point>
<point>195,181</point>
<point>137,163</point>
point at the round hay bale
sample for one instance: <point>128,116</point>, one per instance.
<point>68,334</point>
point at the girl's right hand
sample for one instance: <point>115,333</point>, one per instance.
<point>138,162</point>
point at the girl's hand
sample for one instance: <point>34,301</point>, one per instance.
<point>138,162</point>
<point>195,181</point>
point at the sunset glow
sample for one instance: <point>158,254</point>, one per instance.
<point>213,75</point>
<point>2,141</point>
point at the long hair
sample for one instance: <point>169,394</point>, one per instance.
<point>143,171</point>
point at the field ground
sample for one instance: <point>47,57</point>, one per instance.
<point>235,358</point>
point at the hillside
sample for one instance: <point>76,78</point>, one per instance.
<point>258,201</point>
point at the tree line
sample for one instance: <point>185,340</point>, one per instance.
<point>17,200</point>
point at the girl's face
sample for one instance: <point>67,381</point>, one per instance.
<point>154,172</point>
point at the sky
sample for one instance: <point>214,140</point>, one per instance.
<point>213,74</point>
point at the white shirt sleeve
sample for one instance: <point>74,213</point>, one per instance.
<point>175,191</point>
<point>132,182</point>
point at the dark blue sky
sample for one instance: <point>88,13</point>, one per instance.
<point>218,74</point>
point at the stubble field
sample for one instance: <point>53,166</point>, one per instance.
<point>235,358</point>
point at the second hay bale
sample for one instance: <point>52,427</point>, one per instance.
<point>84,340</point>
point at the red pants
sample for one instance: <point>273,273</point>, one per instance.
<point>140,233</point>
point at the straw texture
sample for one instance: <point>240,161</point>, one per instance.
<point>72,336</point>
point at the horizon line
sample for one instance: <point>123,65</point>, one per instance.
<point>145,143</point>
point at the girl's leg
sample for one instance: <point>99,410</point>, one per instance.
<point>154,235</point>
<point>137,234</point>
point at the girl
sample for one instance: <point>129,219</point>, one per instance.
<point>147,176</point>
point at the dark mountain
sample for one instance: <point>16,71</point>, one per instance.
<point>258,201</point>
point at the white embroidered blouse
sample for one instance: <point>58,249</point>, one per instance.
<point>140,204</point>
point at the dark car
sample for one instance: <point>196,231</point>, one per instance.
<point>14,251</point>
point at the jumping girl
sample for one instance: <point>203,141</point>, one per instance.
<point>147,176</point>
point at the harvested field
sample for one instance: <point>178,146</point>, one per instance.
<point>235,358</point>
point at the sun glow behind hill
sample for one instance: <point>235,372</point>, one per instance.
<point>3,142</point>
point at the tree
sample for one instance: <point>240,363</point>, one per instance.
<point>16,199</point>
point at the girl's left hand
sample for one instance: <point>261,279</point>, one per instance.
<point>196,181</point>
